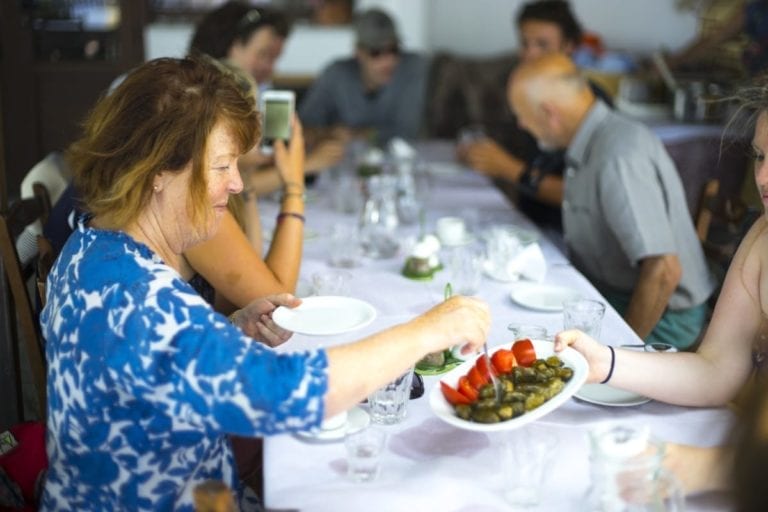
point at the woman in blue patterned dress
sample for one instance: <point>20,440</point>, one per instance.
<point>145,380</point>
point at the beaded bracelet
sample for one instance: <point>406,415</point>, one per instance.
<point>282,215</point>
<point>613,363</point>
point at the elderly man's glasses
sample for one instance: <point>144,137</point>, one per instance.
<point>375,53</point>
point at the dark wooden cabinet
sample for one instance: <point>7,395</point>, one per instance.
<point>52,70</point>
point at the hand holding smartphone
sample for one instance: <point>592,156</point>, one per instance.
<point>276,108</point>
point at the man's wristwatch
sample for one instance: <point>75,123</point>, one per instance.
<point>530,180</point>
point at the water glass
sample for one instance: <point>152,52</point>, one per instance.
<point>530,452</point>
<point>585,315</point>
<point>659,493</point>
<point>345,249</point>
<point>388,404</point>
<point>465,266</point>
<point>347,194</point>
<point>378,224</point>
<point>364,450</point>
<point>408,204</point>
<point>626,472</point>
<point>529,331</point>
<point>331,282</point>
<point>501,248</point>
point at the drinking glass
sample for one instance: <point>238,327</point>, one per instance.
<point>626,472</point>
<point>388,404</point>
<point>501,248</point>
<point>331,282</point>
<point>529,331</point>
<point>529,455</point>
<point>364,450</point>
<point>585,315</point>
<point>465,265</point>
<point>408,204</point>
<point>345,249</point>
<point>378,225</point>
<point>347,194</point>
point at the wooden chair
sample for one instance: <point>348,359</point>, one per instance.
<point>20,307</point>
<point>712,170</point>
<point>702,159</point>
<point>45,258</point>
<point>468,91</point>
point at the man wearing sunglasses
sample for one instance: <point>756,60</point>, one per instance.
<point>380,89</point>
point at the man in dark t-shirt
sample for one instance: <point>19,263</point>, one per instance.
<point>530,175</point>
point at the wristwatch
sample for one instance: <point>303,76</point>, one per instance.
<point>530,180</point>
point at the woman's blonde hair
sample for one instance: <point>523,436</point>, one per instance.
<point>158,119</point>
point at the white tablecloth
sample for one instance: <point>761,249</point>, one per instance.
<point>429,465</point>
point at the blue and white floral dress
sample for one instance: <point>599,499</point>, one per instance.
<point>145,380</point>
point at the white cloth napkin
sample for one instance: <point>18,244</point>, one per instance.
<point>529,264</point>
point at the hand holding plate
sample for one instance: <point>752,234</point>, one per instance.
<point>597,355</point>
<point>256,318</point>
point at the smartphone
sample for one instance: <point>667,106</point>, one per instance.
<point>276,113</point>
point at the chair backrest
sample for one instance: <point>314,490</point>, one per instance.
<point>702,159</point>
<point>466,91</point>
<point>712,169</point>
<point>20,214</point>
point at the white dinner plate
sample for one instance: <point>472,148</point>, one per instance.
<point>325,315</point>
<point>603,394</point>
<point>357,419</point>
<point>544,349</point>
<point>543,297</point>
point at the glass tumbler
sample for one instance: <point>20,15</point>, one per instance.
<point>388,404</point>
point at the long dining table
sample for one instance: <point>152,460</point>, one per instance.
<point>429,464</point>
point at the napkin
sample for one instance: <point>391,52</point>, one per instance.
<point>529,264</point>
